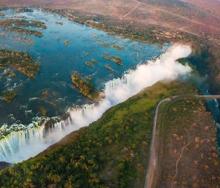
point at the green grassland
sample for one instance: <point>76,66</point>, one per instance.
<point>111,152</point>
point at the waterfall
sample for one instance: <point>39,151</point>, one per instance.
<point>21,145</point>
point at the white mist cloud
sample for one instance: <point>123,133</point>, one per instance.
<point>22,145</point>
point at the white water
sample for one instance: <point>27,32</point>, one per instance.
<point>19,146</point>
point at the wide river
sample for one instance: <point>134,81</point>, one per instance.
<point>64,47</point>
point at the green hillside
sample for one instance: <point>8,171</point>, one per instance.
<point>112,152</point>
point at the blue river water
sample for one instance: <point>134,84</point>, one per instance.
<point>64,48</point>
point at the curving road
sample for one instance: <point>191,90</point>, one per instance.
<point>151,176</point>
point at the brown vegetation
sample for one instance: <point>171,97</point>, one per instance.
<point>19,61</point>
<point>22,26</point>
<point>84,86</point>
<point>200,19</point>
<point>188,155</point>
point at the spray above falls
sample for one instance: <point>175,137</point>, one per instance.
<point>19,146</point>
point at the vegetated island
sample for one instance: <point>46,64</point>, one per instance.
<point>84,86</point>
<point>114,59</point>
<point>91,63</point>
<point>8,96</point>
<point>15,61</point>
<point>23,26</point>
<point>20,61</point>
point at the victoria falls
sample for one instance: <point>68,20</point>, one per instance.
<point>119,97</point>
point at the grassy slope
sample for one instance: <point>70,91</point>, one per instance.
<point>188,153</point>
<point>112,152</point>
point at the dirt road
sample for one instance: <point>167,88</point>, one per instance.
<point>152,170</point>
